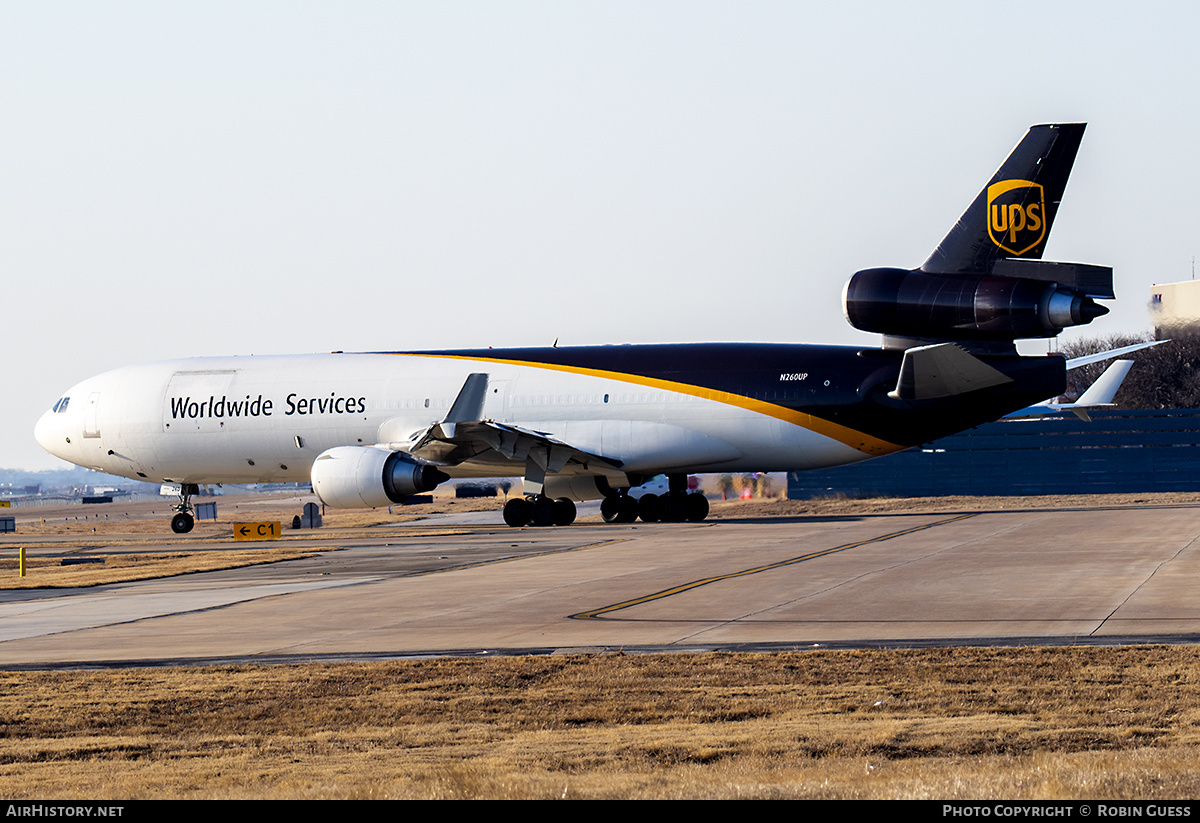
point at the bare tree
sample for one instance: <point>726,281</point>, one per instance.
<point>1163,377</point>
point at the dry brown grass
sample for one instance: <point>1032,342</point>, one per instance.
<point>941,723</point>
<point>152,518</point>
<point>115,530</point>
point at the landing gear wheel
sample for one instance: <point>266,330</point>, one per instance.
<point>182,523</point>
<point>517,512</point>
<point>696,507</point>
<point>542,512</point>
<point>674,508</point>
<point>650,508</point>
<point>619,508</point>
<point>629,509</point>
<point>563,512</point>
<point>610,508</point>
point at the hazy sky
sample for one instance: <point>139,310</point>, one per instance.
<point>196,178</point>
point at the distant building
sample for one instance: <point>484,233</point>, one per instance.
<point>1174,306</point>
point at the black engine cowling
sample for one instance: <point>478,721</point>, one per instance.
<point>358,477</point>
<point>915,304</point>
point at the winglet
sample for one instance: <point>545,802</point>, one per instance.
<point>1102,392</point>
<point>468,406</point>
<point>1099,394</point>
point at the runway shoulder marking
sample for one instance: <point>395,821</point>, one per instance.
<point>598,614</point>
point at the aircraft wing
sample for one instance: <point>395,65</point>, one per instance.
<point>454,443</point>
<point>465,436</point>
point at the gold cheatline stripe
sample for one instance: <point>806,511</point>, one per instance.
<point>864,443</point>
<point>595,614</point>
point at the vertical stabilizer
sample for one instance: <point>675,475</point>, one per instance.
<point>1013,214</point>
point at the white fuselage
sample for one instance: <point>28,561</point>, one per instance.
<point>265,419</point>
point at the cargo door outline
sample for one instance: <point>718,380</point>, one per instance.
<point>197,390</point>
<point>91,418</point>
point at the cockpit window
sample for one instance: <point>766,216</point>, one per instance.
<point>61,405</point>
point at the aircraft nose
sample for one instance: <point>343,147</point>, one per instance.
<point>50,433</point>
<point>41,432</point>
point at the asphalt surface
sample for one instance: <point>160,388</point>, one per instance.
<point>1086,575</point>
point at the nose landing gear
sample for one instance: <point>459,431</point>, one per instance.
<point>184,521</point>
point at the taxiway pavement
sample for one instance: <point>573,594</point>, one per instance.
<point>1068,575</point>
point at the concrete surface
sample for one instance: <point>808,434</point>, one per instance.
<point>1077,575</point>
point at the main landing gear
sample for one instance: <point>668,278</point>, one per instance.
<point>535,508</point>
<point>539,510</point>
<point>183,521</point>
<point>673,507</point>
<point>676,506</point>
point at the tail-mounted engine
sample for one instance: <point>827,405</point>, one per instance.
<point>358,477</point>
<point>1048,298</point>
<point>986,280</point>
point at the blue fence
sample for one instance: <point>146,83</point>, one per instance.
<point>1140,450</point>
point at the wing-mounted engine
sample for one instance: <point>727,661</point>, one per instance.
<point>986,281</point>
<point>357,477</point>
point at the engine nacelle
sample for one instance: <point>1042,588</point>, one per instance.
<point>916,304</point>
<point>360,477</point>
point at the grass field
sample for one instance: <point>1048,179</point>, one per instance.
<point>943,723</point>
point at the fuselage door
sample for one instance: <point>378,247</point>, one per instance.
<point>495,404</point>
<point>91,420</point>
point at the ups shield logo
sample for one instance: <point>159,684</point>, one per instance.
<point>1016,215</point>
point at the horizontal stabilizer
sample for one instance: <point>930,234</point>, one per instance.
<point>943,370</point>
<point>1088,359</point>
<point>1079,278</point>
